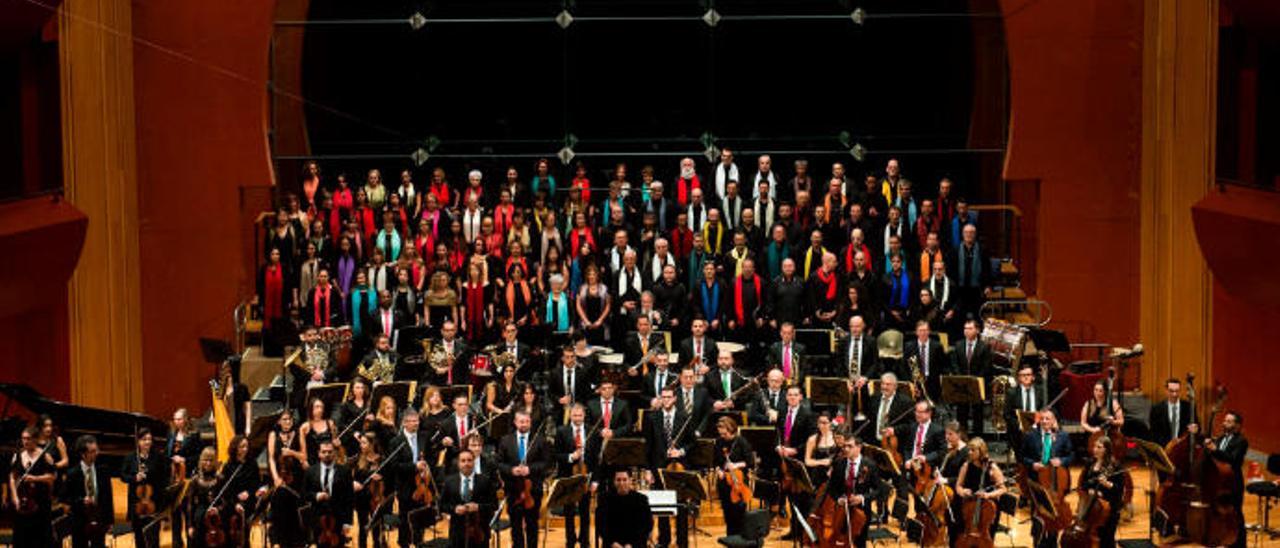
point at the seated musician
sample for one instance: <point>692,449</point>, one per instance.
<point>795,424</point>
<point>1170,418</point>
<point>787,355</point>
<point>410,452</point>
<point>1231,447</point>
<point>724,384</point>
<point>887,408</point>
<point>87,491</point>
<point>980,478</point>
<point>613,414</point>
<point>455,369</point>
<point>922,443</point>
<point>470,500</point>
<point>733,461</point>
<point>1046,445</point>
<point>971,356</point>
<point>1094,415</point>
<point>329,490</point>
<point>379,365</point>
<point>1104,477</point>
<point>854,481</point>
<point>625,519</point>
<point>668,434</point>
<point>577,446</point>
<point>523,459</point>
<point>659,377</point>
<point>699,350</point>
<point>145,467</point>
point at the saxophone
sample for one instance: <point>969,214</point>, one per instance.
<point>999,387</point>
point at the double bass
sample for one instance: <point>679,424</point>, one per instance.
<point>835,524</point>
<point>1196,496</point>
<point>936,497</point>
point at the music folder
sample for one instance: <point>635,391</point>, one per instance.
<point>883,459</point>
<point>963,389</point>
<point>799,475</point>
<point>332,394</point>
<point>762,439</point>
<point>687,485</point>
<point>566,492</point>
<point>401,391</point>
<point>624,453</point>
<point>1155,455</point>
<point>827,390</point>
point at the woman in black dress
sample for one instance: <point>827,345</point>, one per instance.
<point>733,460</point>
<point>319,427</point>
<point>501,391</point>
<point>820,450</point>
<point>593,306</point>
<point>1104,478</point>
<point>358,407</point>
<point>200,492</point>
<point>239,483</point>
<point>286,460</point>
<point>33,498</point>
<point>979,477</point>
<point>366,473</point>
<point>1094,416</point>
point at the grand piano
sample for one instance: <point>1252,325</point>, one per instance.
<point>114,429</point>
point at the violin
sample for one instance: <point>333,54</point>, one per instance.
<point>179,470</point>
<point>475,530</point>
<point>144,492</point>
<point>329,533</point>
<point>422,491</point>
<point>739,492</point>
<point>213,534</point>
<point>524,486</point>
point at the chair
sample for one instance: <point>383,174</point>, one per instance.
<point>1267,492</point>
<point>755,527</point>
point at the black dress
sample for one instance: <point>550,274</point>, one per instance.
<point>32,529</point>
<point>818,474</point>
<point>315,438</point>
<point>286,523</point>
<point>1090,479</point>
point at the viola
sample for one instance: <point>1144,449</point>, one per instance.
<point>213,533</point>
<point>739,492</point>
<point>422,492</point>
<point>179,470</point>
<point>329,532</point>
<point>145,505</point>
<point>377,493</point>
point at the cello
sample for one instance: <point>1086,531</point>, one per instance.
<point>936,497</point>
<point>1110,430</point>
<point>1092,511</point>
<point>978,515</point>
<point>1195,496</point>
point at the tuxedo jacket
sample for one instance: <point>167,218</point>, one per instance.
<point>869,356</point>
<point>632,354</point>
<point>621,421</point>
<point>938,362</point>
<point>341,498</point>
<point>867,482</point>
<point>655,434</point>
<point>449,429</point>
<point>897,414</point>
<point>537,458</point>
<point>650,387</point>
<point>403,466</point>
<point>714,383</point>
<point>710,351</point>
<point>1162,429</point>
<point>774,360</point>
<point>483,493</point>
<point>979,365</point>
<point>758,409</point>
<point>73,494</point>
<point>934,444</point>
<point>701,407</point>
<point>461,364</point>
<point>376,326</point>
<point>802,426</point>
<point>565,445</point>
<point>582,388</point>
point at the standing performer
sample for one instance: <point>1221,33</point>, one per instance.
<point>522,460</point>
<point>88,492</point>
<point>733,460</point>
<point>469,499</point>
<point>855,482</point>
<point>147,475</point>
<point>31,475</point>
<point>668,437</point>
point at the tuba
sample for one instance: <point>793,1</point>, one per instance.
<point>999,387</point>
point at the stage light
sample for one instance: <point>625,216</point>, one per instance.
<point>710,150</point>
<point>420,156</point>
<point>565,155</point>
<point>859,16</point>
<point>417,21</point>
<point>564,19</point>
<point>711,17</point>
<point>858,152</point>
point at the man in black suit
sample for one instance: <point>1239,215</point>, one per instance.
<point>642,343</point>
<point>855,480</point>
<point>510,344</point>
<point>569,382</point>
<point>87,490</point>
<point>523,454</point>
<point>455,429</point>
<point>887,409</point>
<point>923,442</point>
<point>1170,418</point>
<point>613,414</point>
<point>456,369</point>
<point>382,364</point>
<point>930,358</point>
<point>668,436</point>
<point>787,355</point>
<point>577,445</point>
<point>387,319</point>
<point>329,489</point>
<point>861,359</point>
<point>723,383</point>
<point>1024,397</point>
<point>469,499</point>
<point>971,356</point>
<point>795,423</point>
<point>659,377</point>
<point>766,407</point>
<point>694,400</point>
<point>1231,447</point>
<point>698,347</point>
<point>413,452</point>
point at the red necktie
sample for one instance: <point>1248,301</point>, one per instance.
<point>462,428</point>
<point>607,415</point>
<point>786,361</point>
<point>853,475</point>
<point>919,440</point>
<point>386,322</point>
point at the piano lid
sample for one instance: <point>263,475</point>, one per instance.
<point>114,429</point>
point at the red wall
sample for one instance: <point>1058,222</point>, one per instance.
<point>200,71</point>
<point>1075,85</point>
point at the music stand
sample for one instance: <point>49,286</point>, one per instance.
<point>625,453</point>
<point>332,394</point>
<point>702,455</point>
<point>401,391</point>
<point>1158,462</point>
<point>799,476</point>
<point>817,342</point>
<point>1049,340</point>
<point>564,493</point>
<point>447,393</point>
<point>687,485</point>
<point>762,439</point>
<point>827,390</point>
<point>963,390</point>
<point>883,458</point>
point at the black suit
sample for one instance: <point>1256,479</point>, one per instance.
<point>1162,429</point>
<point>775,361</point>
<point>73,494</point>
<point>699,411</point>
<point>1232,450</point>
<point>802,425</point>
<point>633,353</point>
<point>650,387</point>
<point>157,471</point>
<point>621,421</point>
<point>1013,402</point>
<point>567,439</point>
<point>461,367</point>
<point>581,385</point>
<point>978,364</point>
<point>377,326</point>
<point>524,523</point>
<point>933,445</point>
<point>866,483</point>
<point>449,429</point>
<point>868,365</point>
<point>710,352</point>
<point>758,409</point>
<point>895,415</point>
<point>931,367</point>
<point>341,497</point>
<point>655,433</point>
<point>714,383</point>
<point>482,492</point>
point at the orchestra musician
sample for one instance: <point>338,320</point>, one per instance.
<point>144,469</point>
<point>763,411</point>
<point>795,424</point>
<point>1095,417</point>
<point>694,400</point>
<point>668,436</point>
<point>88,492</point>
<point>787,355</point>
<point>887,406</point>
<point>861,358</point>
<point>358,408</point>
<point>522,456</point>
<point>956,456</point>
<point>731,453</point>
<point>638,345</point>
<point>183,449</point>
<point>1103,477</point>
<point>625,519</point>
<point>723,383</point>
<point>412,447</point>
<point>364,473</point>
<point>660,376</point>
<point>520,352</point>
<point>456,369</point>
<point>856,482</point>
<point>329,490</point>
<point>1046,445</point>
<point>923,442</point>
<point>569,382</point>
<point>699,350</point>
<point>379,366</point>
<point>387,319</point>
<point>972,357</point>
<point>1026,397</point>
<point>199,497</point>
<point>1231,447</point>
<point>469,499</point>
<point>239,480</point>
<point>32,496</point>
<point>614,415</point>
<point>1170,418</point>
<point>980,477</point>
<point>286,460</point>
<point>930,358</point>
<point>577,444</point>
<point>454,429</point>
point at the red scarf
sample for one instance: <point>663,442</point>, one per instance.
<point>502,218</point>
<point>425,245</point>
<point>737,296</point>
<point>365,216</point>
<point>849,253</point>
<point>273,279</point>
<point>475,309</point>
<point>322,295</point>
<point>830,280</point>
<point>476,191</point>
<point>441,191</point>
<point>342,200</point>
<point>511,261</point>
<point>683,186</point>
<point>585,185</point>
<point>495,244</point>
<point>575,241</point>
<point>457,258</point>
<point>681,242</point>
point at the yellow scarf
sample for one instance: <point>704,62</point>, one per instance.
<point>808,259</point>
<point>706,238</point>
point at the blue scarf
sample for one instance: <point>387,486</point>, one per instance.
<point>696,260</point>
<point>370,302</point>
<point>551,182</point>
<point>710,303</point>
<point>901,291</point>
<point>560,319</point>
<point>969,278</point>
<point>394,245</point>
<point>575,275</point>
<point>775,255</point>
